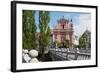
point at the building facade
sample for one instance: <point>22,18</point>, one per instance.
<point>63,31</point>
<point>86,36</point>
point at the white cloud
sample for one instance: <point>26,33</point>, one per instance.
<point>84,24</point>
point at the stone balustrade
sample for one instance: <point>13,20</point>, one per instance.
<point>65,54</point>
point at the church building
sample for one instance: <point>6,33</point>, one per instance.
<point>63,31</point>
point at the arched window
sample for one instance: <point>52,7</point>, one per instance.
<point>63,26</point>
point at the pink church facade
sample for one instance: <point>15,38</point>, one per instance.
<point>63,31</point>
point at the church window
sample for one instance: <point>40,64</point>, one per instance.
<point>63,26</point>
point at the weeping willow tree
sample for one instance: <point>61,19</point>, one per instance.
<point>28,30</point>
<point>45,32</point>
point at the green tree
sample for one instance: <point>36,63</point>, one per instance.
<point>48,36</point>
<point>44,38</point>
<point>66,44</point>
<point>82,42</point>
<point>29,30</point>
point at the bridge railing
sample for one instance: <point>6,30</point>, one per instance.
<point>66,54</point>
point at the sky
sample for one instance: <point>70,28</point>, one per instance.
<point>81,21</point>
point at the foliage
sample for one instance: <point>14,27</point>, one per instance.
<point>85,40</point>
<point>29,29</point>
<point>82,42</point>
<point>67,43</point>
<point>64,44</point>
<point>45,31</point>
